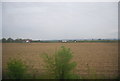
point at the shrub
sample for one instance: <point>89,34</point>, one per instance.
<point>59,65</point>
<point>16,69</point>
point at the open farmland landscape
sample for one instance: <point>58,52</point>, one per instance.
<point>94,60</point>
<point>59,40</point>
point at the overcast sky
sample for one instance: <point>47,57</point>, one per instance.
<point>0,20</point>
<point>60,20</point>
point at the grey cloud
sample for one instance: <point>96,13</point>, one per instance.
<point>60,20</point>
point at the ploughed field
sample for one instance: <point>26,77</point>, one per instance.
<point>93,59</point>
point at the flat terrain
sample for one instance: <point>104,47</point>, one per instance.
<point>0,60</point>
<point>92,58</point>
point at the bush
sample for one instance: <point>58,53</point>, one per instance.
<point>16,69</point>
<point>59,65</point>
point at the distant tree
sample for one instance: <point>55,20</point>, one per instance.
<point>10,40</point>
<point>4,40</point>
<point>18,40</point>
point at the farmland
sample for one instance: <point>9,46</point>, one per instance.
<point>100,59</point>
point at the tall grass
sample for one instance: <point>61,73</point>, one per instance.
<point>16,69</point>
<point>59,65</point>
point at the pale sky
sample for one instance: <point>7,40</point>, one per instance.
<point>0,20</point>
<point>60,20</point>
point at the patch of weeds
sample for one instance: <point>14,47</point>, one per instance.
<point>59,65</point>
<point>16,69</point>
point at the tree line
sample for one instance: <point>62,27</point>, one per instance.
<point>4,40</point>
<point>20,40</point>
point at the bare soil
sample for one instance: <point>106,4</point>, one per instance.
<point>93,59</point>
